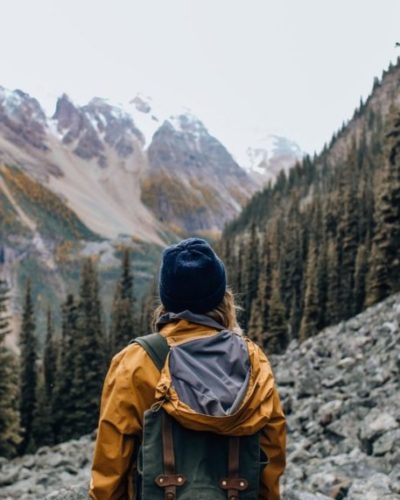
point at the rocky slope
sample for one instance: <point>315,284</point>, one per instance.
<point>43,475</point>
<point>341,394</point>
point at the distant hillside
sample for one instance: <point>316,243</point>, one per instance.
<point>37,235</point>
<point>323,241</point>
<point>26,202</point>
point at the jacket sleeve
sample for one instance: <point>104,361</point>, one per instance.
<point>127,392</point>
<point>273,443</point>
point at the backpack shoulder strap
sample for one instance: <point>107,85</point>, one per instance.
<point>156,347</point>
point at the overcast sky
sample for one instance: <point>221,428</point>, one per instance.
<point>246,67</point>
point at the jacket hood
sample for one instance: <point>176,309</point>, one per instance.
<point>214,379</point>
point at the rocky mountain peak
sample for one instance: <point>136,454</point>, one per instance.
<point>65,113</point>
<point>77,130</point>
<point>187,123</point>
<point>193,180</point>
<point>17,101</point>
<point>93,127</point>
<point>22,120</point>
<point>117,126</point>
<point>183,142</point>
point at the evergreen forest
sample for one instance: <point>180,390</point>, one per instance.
<point>323,242</point>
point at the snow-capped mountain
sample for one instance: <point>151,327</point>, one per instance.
<point>22,120</point>
<point>270,154</point>
<point>126,170</point>
<point>91,179</point>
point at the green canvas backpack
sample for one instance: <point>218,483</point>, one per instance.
<point>178,463</point>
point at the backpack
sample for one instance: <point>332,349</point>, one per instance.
<point>178,463</point>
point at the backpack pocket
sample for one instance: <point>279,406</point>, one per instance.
<point>203,462</point>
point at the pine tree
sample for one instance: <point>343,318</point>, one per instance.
<point>348,228</point>
<point>365,199</point>
<point>378,281</point>
<point>277,336</point>
<point>322,282</point>
<point>123,324</point>
<point>332,312</point>
<point>28,356</point>
<point>339,238</point>
<point>42,425</point>
<point>237,273</point>
<point>5,328</point>
<point>361,272</point>
<point>264,289</point>
<point>311,313</point>
<point>251,275</point>
<point>10,431</point>
<point>91,353</point>
<point>292,266</point>
<point>63,403</point>
<point>256,327</point>
<point>148,306</point>
<point>43,422</point>
<point>49,359</point>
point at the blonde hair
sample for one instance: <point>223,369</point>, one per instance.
<point>224,313</point>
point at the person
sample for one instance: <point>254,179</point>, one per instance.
<point>233,378</point>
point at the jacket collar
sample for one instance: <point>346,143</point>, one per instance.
<point>200,319</point>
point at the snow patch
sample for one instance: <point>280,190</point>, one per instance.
<point>10,99</point>
<point>53,129</point>
<point>270,148</point>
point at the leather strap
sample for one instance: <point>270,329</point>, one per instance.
<point>170,479</point>
<point>176,480</point>
<point>168,445</point>
<point>233,484</point>
<point>233,457</point>
<point>233,466</point>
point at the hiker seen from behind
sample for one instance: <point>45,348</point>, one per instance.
<point>190,411</point>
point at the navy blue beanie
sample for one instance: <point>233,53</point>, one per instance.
<point>192,277</point>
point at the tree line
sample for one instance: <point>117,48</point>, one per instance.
<point>54,396</point>
<point>323,242</point>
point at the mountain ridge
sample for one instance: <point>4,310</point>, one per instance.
<point>95,156</point>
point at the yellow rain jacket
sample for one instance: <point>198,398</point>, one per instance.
<point>133,384</point>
